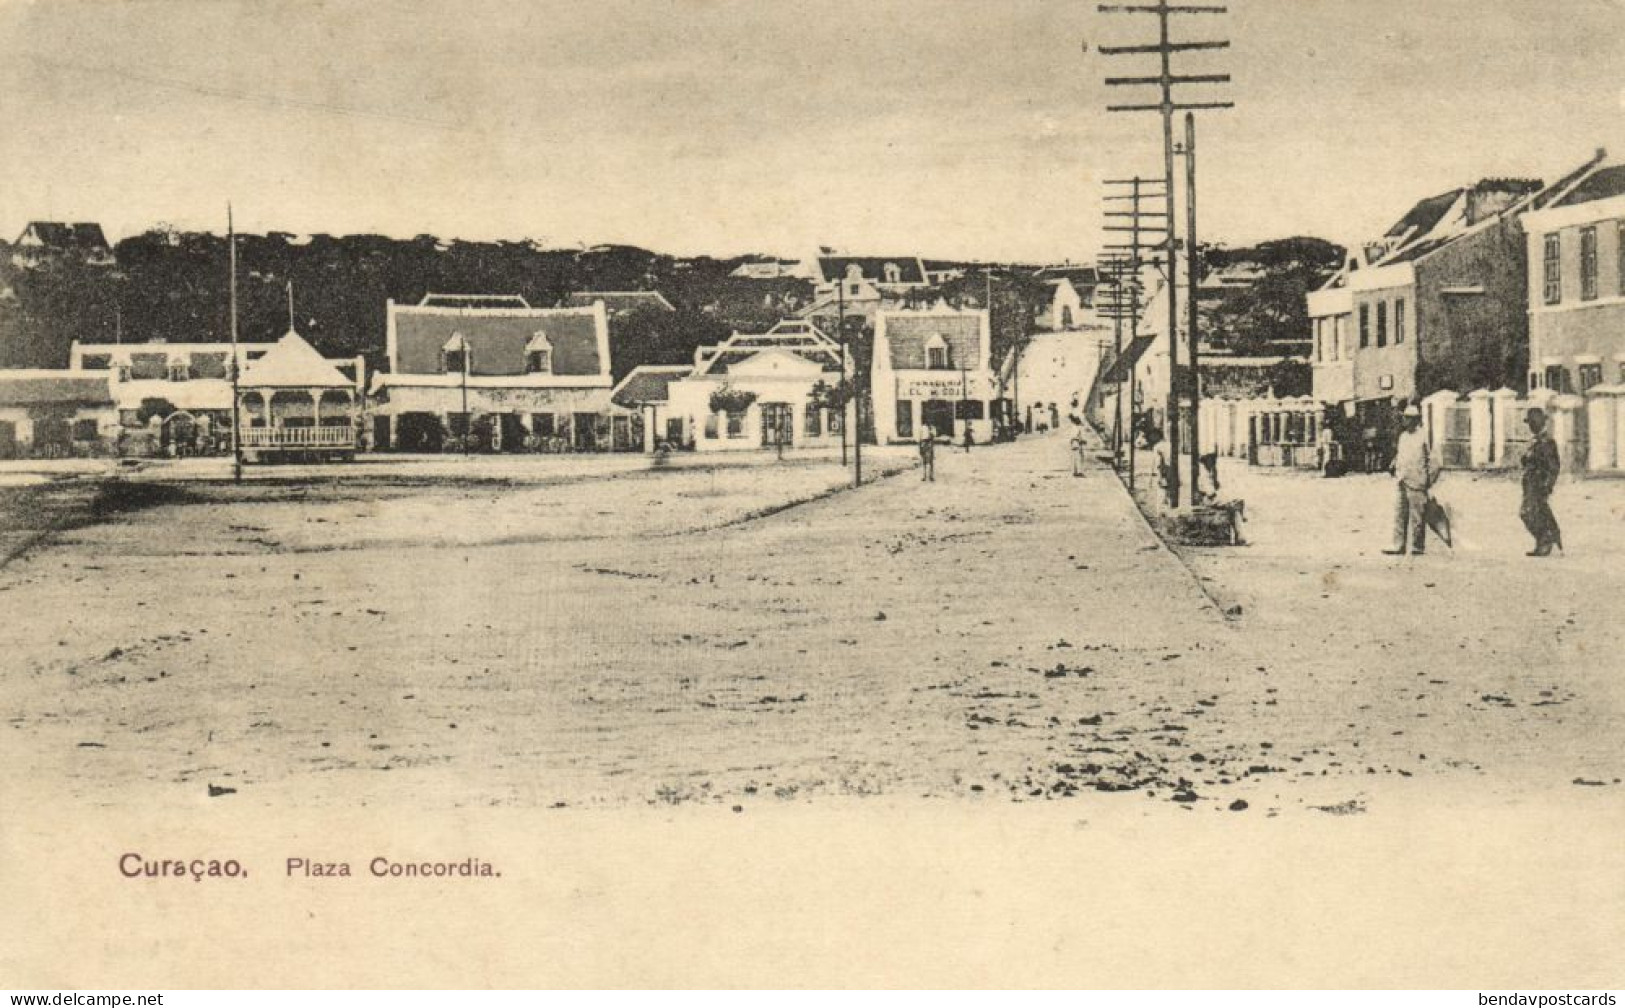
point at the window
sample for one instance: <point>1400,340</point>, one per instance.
<point>209,365</point>
<point>96,362</point>
<point>1365,326</point>
<point>1590,376</point>
<point>937,357</point>
<point>1399,321</point>
<point>736,423</point>
<point>1557,378</point>
<point>905,418</point>
<point>179,370</point>
<point>84,430</point>
<point>1382,323</point>
<point>812,424</point>
<point>1320,339</point>
<point>711,426</point>
<point>454,356</point>
<point>539,355</point>
<point>1554,268</point>
<point>1619,256</point>
<point>542,425</point>
<point>149,367</point>
<point>1622,372</point>
<point>893,273</point>
<point>1588,264</point>
<point>854,288</point>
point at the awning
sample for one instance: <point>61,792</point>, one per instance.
<point>1123,367</point>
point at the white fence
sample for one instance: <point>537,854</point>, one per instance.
<point>1487,430</point>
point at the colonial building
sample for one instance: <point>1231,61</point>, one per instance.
<point>1576,248</point>
<point>854,272</point>
<point>933,368</point>
<point>176,397</point>
<point>1438,302</point>
<point>761,390</point>
<point>647,390</point>
<point>503,375</point>
<point>49,241</point>
<point>1064,310</point>
<point>618,303</point>
<point>55,413</point>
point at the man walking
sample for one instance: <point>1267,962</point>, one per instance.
<point>1413,476</point>
<point>1540,468</point>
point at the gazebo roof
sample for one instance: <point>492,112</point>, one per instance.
<point>292,363</point>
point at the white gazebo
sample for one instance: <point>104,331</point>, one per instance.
<point>293,401</point>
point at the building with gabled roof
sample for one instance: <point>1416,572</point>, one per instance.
<point>619,302</point>
<point>761,390</point>
<point>647,389</point>
<point>501,378</point>
<point>933,368</point>
<point>47,241</point>
<point>883,271</point>
<point>54,413</point>
<point>1439,301</point>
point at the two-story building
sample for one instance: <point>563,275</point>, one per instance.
<point>178,396</point>
<point>1438,302</point>
<point>498,375</point>
<point>1576,248</point>
<point>933,368</point>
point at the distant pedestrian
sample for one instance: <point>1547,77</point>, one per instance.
<point>1414,474</point>
<point>1079,446</point>
<point>1054,416</point>
<point>1541,465</point>
<point>1027,427</point>
<point>928,455</point>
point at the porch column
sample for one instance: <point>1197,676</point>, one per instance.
<point>649,438</point>
<point>1600,410</point>
<point>1479,413</point>
<point>315,407</point>
<point>1502,400</point>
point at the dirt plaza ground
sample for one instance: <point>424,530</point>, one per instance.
<point>683,635</point>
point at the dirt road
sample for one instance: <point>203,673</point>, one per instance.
<point>1006,633</point>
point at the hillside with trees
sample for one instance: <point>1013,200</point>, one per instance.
<point>173,285</point>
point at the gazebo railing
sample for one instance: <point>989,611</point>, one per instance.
<point>299,437</point>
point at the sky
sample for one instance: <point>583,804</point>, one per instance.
<point>945,128</point>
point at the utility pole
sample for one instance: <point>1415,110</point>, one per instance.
<point>1192,271</point>
<point>236,357</point>
<point>1164,48</point>
<point>1126,261</point>
<point>840,334</point>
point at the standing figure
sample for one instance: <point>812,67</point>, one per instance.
<point>1413,477</point>
<point>1540,468</point>
<point>928,455</point>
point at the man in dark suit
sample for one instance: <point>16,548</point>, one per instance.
<point>1540,468</point>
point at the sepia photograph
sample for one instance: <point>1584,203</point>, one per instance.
<point>872,494</point>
